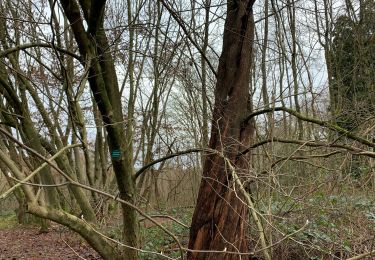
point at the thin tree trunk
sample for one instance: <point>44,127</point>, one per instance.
<point>292,21</point>
<point>204,76</point>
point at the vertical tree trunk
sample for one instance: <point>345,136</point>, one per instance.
<point>204,75</point>
<point>219,220</point>
<point>292,21</point>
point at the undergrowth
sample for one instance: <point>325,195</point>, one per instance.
<point>8,220</point>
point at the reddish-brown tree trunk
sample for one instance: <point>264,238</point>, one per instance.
<point>220,217</point>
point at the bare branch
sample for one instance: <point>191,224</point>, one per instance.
<point>311,144</point>
<point>183,27</point>
<point>167,157</point>
<point>37,44</point>
<point>326,124</point>
<point>24,181</point>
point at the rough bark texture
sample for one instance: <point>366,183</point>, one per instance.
<point>220,218</point>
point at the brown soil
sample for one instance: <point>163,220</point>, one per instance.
<point>28,243</point>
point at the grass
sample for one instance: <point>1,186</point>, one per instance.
<point>8,221</point>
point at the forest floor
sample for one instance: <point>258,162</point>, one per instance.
<point>26,242</point>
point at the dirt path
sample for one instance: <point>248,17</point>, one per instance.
<point>27,243</point>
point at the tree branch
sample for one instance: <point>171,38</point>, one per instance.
<point>58,216</point>
<point>167,157</point>
<point>357,151</point>
<point>76,224</point>
<point>50,160</point>
<point>36,44</point>
<point>309,143</point>
<point>326,124</point>
<point>181,23</point>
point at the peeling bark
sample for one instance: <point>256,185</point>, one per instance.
<point>220,217</point>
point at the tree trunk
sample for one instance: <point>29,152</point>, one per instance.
<point>220,217</point>
<point>93,45</point>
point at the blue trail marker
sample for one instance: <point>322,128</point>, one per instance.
<point>116,154</point>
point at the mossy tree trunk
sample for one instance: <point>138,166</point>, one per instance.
<point>93,46</point>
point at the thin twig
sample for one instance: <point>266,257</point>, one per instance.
<point>74,251</point>
<point>357,257</point>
